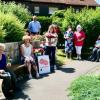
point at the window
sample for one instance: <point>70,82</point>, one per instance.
<point>52,10</point>
<point>36,10</point>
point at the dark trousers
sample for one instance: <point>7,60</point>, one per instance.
<point>50,50</point>
<point>13,78</point>
<point>95,54</point>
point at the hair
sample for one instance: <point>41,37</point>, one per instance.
<point>79,26</point>
<point>2,46</point>
<point>26,37</point>
<point>34,17</point>
<point>99,37</point>
<point>51,27</point>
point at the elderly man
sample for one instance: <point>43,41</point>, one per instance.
<point>34,26</point>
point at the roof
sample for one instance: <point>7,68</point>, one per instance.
<point>69,2</point>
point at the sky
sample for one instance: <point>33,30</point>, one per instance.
<point>98,1</point>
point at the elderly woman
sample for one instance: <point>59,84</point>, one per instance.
<point>27,55</point>
<point>79,37</point>
<point>68,35</point>
<point>51,42</point>
<point>96,51</point>
<point>4,70</point>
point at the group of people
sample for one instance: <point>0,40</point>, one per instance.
<point>76,39</point>
<point>72,39</point>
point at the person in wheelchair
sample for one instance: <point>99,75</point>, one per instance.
<point>96,51</point>
<point>9,80</point>
<point>27,56</point>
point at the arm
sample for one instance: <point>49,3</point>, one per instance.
<point>22,50</point>
<point>29,26</point>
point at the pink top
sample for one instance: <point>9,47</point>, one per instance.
<point>78,37</point>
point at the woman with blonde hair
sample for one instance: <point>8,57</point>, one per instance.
<point>27,55</point>
<point>51,43</point>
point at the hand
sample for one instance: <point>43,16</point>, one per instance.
<point>9,65</point>
<point>2,71</point>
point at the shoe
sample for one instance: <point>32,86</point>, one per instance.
<point>80,58</point>
<point>37,75</point>
<point>30,76</point>
<point>97,60</point>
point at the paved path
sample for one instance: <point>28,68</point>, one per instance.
<point>54,86</point>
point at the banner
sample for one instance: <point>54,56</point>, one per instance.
<point>44,64</point>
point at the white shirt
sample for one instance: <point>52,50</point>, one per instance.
<point>34,26</point>
<point>27,50</point>
<point>53,41</point>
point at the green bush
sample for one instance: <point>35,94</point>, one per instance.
<point>45,22</point>
<point>88,18</point>
<point>12,28</point>
<point>18,10</point>
<point>12,21</point>
<point>85,88</point>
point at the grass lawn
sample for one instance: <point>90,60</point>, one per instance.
<point>86,87</point>
<point>61,57</point>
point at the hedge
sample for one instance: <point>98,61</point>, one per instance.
<point>12,21</point>
<point>88,18</point>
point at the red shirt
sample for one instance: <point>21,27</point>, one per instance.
<point>77,37</point>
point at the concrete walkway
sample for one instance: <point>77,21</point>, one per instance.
<point>54,86</point>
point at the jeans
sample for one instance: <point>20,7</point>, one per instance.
<point>50,50</point>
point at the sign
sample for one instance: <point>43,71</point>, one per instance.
<point>98,1</point>
<point>44,64</point>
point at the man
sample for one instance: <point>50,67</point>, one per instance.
<point>34,26</point>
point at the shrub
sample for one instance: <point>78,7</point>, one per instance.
<point>12,28</point>
<point>45,22</point>
<point>12,21</point>
<point>85,88</point>
<point>88,18</point>
<point>10,7</point>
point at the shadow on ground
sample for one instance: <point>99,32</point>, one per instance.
<point>23,84</point>
<point>67,70</point>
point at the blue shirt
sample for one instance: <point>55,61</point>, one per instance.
<point>3,62</point>
<point>34,26</point>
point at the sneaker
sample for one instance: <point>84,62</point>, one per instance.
<point>80,58</point>
<point>30,76</point>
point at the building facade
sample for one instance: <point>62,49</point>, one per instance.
<point>48,7</point>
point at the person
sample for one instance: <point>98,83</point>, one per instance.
<point>4,69</point>
<point>51,42</point>
<point>27,56</point>
<point>68,35</point>
<point>79,37</point>
<point>96,51</point>
<point>34,26</point>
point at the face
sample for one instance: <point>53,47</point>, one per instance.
<point>70,29</point>
<point>79,29</point>
<point>1,50</point>
<point>27,41</point>
<point>51,30</point>
<point>35,19</point>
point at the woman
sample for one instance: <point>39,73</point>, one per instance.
<point>68,35</point>
<point>9,82</point>
<point>96,51</point>
<point>51,42</point>
<point>27,53</point>
<point>79,37</point>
